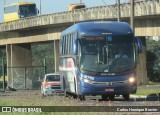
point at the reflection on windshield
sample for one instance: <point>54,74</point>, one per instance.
<point>107,55</point>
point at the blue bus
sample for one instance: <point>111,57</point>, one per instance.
<point>88,62</point>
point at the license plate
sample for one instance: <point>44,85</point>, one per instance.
<point>57,90</point>
<point>109,89</point>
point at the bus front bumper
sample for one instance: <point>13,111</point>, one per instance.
<point>89,89</point>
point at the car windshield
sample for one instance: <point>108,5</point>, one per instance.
<point>27,10</point>
<point>52,78</point>
<point>101,54</point>
<point>32,10</point>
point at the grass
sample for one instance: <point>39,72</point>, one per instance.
<point>31,98</point>
<point>146,91</point>
<point>153,83</point>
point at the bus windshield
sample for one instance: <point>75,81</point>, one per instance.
<point>27,10</point>
<point>107,54</point>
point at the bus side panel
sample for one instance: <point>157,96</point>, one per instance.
<point>67,73</point>
<point>62,73</point>
<point>11,17</point>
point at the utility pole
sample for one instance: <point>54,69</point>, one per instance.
<point>132,15</point>
<point>40,8</point>
<point>80,1</point>
<point>119,10</point>
<point>4,2</point>
<point>3,74</point>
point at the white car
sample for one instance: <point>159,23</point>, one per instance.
<point>51,84</point>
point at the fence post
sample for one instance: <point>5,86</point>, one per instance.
<point>45,66</point>
<point>3,74</point>
<point>25,78</point>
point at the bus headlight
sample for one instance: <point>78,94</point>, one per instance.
<point>131,79</point>
<point>86,80</point>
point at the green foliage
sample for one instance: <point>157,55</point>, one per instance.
<point>2,56</point>
<point>41,53</point>
<point>153,59</point>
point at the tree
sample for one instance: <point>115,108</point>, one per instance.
<point>153,60</point>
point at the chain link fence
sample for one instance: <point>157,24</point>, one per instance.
<point>23,77</point>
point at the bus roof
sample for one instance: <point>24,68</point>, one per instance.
<point>99,28</point>
<point>19,3</point>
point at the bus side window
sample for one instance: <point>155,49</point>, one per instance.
<point>64,42</point>
<point>69,44</point>
<point>72,43</point>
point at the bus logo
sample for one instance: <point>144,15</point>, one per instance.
<point>109,38</point>
<point>109,83</point>
<point>6,109</point>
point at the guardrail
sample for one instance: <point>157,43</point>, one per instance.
<point>93,13</point>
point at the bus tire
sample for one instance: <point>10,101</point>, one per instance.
<point>126,97</point>
<point>81,97</point>
<point>111,97</point>
<point>104,97</point>
<point>74,96</point>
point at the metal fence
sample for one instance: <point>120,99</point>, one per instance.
<point>31,77</point>
<point>23,77</point>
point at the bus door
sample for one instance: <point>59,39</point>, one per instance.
<point>70,75</point>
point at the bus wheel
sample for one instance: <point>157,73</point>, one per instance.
<point>126,97</point>
<point>81,97</point>
<point>104,97</point>
<point>111,97</point>
<point>74,96</point>
<point>43,95</point>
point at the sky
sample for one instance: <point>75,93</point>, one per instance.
<point>52,6</point>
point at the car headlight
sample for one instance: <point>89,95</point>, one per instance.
<point>47,87</point>
<point>131,79</point>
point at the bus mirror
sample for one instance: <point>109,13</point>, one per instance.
<point>75,48</point>
<point>139,44</point>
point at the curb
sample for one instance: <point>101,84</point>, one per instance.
<point>138,96</point>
